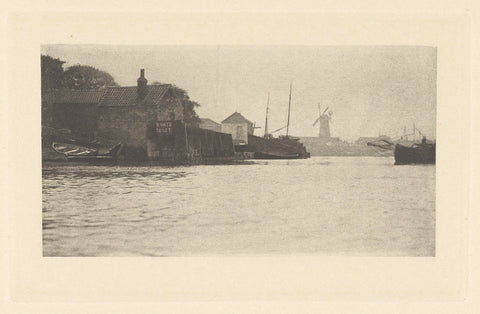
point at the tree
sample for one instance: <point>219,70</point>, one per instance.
<point>74,77</point>
<point>86,77</point>
<point>51,72</point>
<point>189,115</point>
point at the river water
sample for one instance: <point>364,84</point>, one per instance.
<point>319,206</point>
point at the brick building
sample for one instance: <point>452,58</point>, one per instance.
<point>147,119</point>
<point>113,114</point>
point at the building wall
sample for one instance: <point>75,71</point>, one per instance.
<point>47,114</point>
<point>207,144</point>
<point>80,118</point>
<point>239,132</point>
<point>113,124</point>
<point>127,125</point>
<point>174,142</point>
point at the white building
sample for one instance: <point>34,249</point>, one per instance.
<point>239,127</point>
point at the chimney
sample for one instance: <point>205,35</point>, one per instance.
<point>142,87</point>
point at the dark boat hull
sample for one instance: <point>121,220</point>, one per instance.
<point>273,148</point>
<point>417,154</point>
<point>262,155</point>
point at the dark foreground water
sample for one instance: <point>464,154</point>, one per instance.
<point>323,206</point>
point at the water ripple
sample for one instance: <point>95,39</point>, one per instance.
<point>317,206</point>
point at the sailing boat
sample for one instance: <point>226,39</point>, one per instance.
<point>423,153</point>
<point>284,147</point>
<point>266,153</point>
<point>416,153</point>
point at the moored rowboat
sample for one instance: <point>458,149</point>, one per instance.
<point>82,153</point>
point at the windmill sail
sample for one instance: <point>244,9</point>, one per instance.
<point>319,115</point>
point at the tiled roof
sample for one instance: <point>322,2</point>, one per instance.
<point>207,120</point>
<point>109,96</point>
<point>126,96</point>
<point>73,96</point>
<point>236,118</point>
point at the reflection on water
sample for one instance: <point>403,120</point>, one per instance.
<point>322,205</point>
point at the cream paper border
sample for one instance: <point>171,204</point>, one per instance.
<point>348,282</point>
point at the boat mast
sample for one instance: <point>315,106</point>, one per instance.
<point>266,116</point>
<point>289,103</point>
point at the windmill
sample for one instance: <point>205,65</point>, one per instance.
<point>254,126</point>
<point>324,122</point>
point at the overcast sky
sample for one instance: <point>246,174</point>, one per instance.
<point>370,89</point>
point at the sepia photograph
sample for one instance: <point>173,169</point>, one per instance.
<point>238,150</point>
<point>315,158</point>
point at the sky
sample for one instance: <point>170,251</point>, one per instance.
<point>371,90</point>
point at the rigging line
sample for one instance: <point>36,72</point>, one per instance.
<point>279,129</point>
<point>266,116</point>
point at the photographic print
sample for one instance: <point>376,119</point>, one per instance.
<point>238,150</point>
